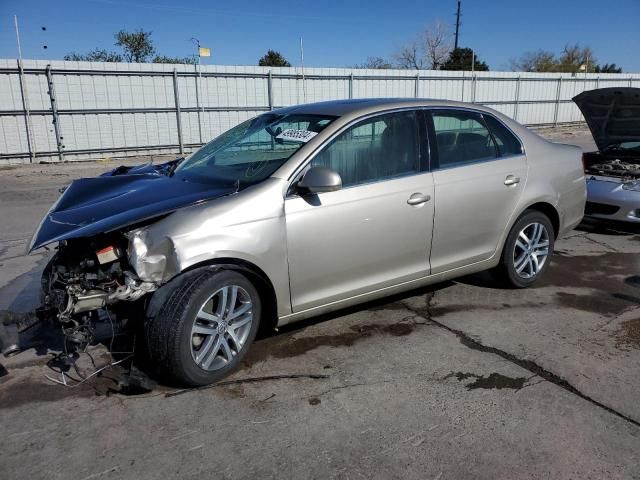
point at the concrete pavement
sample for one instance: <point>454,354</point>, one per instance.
<point>461,380</point>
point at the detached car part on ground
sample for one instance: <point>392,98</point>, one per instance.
<point>613,172</point>
<point>302,211</point>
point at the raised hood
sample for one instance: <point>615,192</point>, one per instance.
<point>613,114</point>
<point>123,197</point>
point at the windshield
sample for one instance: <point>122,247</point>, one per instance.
<point>625,146</point>
<point>253,150</point>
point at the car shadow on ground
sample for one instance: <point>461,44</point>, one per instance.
<point>590,225</point>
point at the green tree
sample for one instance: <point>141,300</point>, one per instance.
<point>273,59</point>
<point>575,58</point>
<point>538,61</point>
<point>137,46</point>
<point>165,59</point>
<point>96,55</point>
<point>608,68</point>
<point>463,59</point>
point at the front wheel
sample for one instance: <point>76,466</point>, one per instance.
<point>205,327</point>
<point>527,251</point>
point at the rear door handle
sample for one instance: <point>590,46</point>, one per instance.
<point>511,180</point>
<point>418,199</point>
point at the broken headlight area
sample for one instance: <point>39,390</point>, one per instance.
<point>85,276</point>
<point>634,186</point>
<point>152,258</point>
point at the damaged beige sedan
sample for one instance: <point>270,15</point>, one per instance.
<point>298,212</point>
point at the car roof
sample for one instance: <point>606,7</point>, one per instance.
<point>349,107</point>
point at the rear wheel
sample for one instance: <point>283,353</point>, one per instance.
<point>527,251</point>
<point>205,327</point>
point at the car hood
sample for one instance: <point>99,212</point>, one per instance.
<point>612,114</point>
<point>119,198</point>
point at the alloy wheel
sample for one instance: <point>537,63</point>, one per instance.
<point>221,327</point>
<point>531,250</point>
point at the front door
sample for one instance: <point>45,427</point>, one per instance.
<point>373,233</point>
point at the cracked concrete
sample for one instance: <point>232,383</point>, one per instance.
<point>460,380</point>
<point>527,364</point>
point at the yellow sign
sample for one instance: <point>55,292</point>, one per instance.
<point>204,52</point>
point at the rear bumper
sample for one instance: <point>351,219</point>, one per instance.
<point>609,201</point>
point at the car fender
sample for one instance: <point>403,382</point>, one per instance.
<point>248,226</point>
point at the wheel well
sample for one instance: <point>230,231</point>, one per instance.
<point>258,278</point>
<point>550,211</point>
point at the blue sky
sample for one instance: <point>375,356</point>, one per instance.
<point>336,33</point>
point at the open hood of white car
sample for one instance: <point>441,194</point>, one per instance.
<point>613,114</point>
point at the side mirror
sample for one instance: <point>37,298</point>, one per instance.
<point>320,179</point>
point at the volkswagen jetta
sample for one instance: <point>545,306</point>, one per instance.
<point>301,211</point>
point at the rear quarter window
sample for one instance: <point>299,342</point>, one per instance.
<point>507,142</point>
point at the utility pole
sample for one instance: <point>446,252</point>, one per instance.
<point>25,99</point>
<point>457,26</point>
<point>15,22</point>
<point>304,89</point>
<point>199,108</point>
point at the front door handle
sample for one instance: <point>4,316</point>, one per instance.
<point>511,180</point>
<point>418,199</point>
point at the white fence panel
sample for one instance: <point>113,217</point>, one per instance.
<point>117,109</point>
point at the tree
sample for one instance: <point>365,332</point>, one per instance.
<point>463,59</point>
<point>538,61</point>
<point>410,56</point>
<point>273,59</point>
<point>437,42</point>
<point>96,55</point>
<point>165,59</point>
<point>137,46</point>
<point>378,63</point>
<point>575,58</point>
<point>608,68</point>
<point>429,49</point>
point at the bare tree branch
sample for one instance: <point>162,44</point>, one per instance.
<point>377,63</point>
<point>437,44</point>
<point>429,49</point>
<point>410,56</point>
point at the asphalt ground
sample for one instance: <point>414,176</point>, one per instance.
<point>459,380</point>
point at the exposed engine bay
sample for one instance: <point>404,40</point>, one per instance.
<point>86,275</point>
<point>606,166</point>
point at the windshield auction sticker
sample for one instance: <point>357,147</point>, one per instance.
<point>293,135</point>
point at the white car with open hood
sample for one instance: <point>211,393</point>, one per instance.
<point>613,171</point>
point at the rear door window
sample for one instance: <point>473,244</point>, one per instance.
<point>461,138</point>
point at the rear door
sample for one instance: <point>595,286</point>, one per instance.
<point>373,233</point>
<point>479,174</point>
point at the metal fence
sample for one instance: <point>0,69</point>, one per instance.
<point>57,111</point>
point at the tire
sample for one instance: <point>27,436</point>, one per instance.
<point>194,338</point>
<point>522,263</point>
